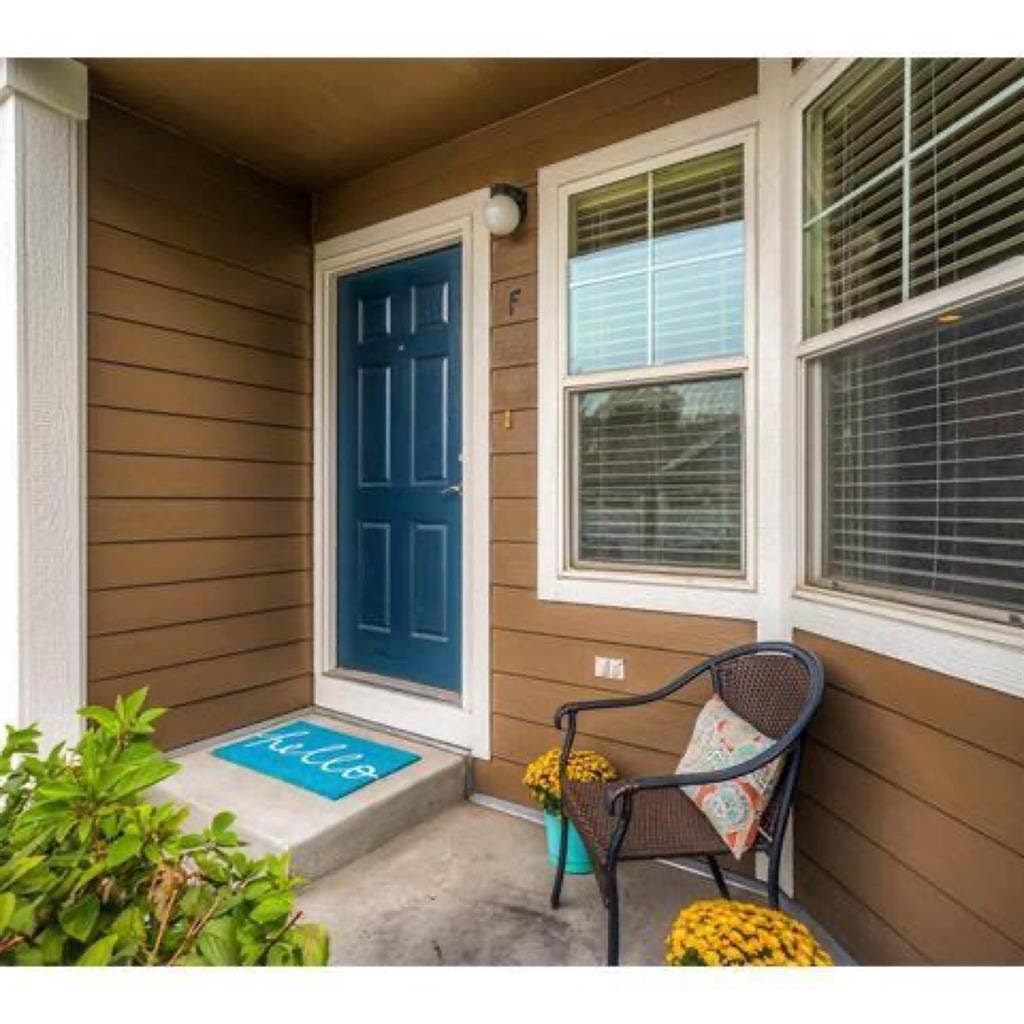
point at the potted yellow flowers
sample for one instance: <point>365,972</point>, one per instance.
<point>542,779</point>
<point>724,933</point>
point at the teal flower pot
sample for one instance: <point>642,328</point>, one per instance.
<point>577,860</point>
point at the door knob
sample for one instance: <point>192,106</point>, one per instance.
<point>453,489</point>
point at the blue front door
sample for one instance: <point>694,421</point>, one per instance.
<point>400,470</point>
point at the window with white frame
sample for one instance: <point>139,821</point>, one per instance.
<point>652,368</point>
<point>913,197</point>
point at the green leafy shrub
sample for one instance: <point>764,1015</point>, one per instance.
<point>91,874</point>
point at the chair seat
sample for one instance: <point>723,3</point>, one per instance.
<point>665,823</point>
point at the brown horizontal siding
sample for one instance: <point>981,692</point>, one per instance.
<point>115,386</point>
<point>156,305</point>
<point>124,206</point>
<point>131,344</point>
<point>130,432</point>
<point>200,453</point>
<point>116,475</point>
<point>910,819</point>
<point>121,654</point>
<point>513,519</point>
<point>225,711</point>
<point>513,433</point>
<point>146,562</point>
<point>132,608</point>
<point>662,727</point>
<point>184,174</point>
<point>194,682</point>
<point>514,344</point>
<point>134,256</point>
<point>148,518</point>
<point>864,933</point>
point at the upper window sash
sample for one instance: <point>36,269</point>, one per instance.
<point>656,268</point>
<point>910,182</point>
<point>652,261</point>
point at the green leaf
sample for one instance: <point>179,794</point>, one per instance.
<point>99,953</point>
<point>150,715</point>
<point>129,925</point>
<point>123,849</point>
<point>79,919</point>
<point>313,943</point>
<point>222,822</point>
<point>272,908</point>
<point>142,776</point>
<point>18,868</point>
<point>280,955</point>
<point>24,918</point>
<point>218,943</point>
<point>91,872</point>
<point>51,945</point>
<point>29,956</point>
<point>58,790</point>
<point>134,701</point>
<point>7,905</point>
<point>191,960</point>
<point>103,717</point>
<point>255,891</point>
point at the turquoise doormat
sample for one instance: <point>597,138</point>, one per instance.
<point>321,760</point>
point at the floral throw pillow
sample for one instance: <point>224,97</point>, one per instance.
<point>722,739</point>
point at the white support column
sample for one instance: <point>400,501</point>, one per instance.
<point>43,108</point>
<point>776,383</point>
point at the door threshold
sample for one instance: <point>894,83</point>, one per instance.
<point>393,683</point>
<point>341,718</point>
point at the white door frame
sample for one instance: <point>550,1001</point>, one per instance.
<point>464,724</point>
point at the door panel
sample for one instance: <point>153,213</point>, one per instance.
<point>399,467</point>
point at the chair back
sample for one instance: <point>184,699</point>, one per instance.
<point>770,685</point>
<point>777,687</point>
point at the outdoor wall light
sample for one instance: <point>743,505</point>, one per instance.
<point>505,209</point>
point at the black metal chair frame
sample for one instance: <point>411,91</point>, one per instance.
<point>619,795</point>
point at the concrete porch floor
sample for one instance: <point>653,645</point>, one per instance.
<point>471,886</point>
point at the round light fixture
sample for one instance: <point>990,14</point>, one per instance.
<point>505,209</point>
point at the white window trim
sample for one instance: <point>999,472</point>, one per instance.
<point>983,652</point>
<point>466,723</point>
<point>556,581</point>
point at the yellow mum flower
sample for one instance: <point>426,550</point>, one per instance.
<point>725,932</point>
<point>542,778</point>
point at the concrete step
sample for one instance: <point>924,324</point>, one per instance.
<point>322,835</point>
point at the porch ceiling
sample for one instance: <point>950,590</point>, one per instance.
<point>313,122</point>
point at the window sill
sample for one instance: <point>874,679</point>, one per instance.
<point>986,653</point>
<point>717,596</point>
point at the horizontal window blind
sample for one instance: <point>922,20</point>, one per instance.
<point>913,178</point>
<point>923,485</point>
<point>967,190</point>
<point>656,266</point>
<point>658,475</point>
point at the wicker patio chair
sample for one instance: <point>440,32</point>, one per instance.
<point>777,687</point>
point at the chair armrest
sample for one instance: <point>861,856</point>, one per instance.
<point>626,788</point>
<point>576,707</point>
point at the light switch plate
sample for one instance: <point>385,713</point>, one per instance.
<point>609,668</point>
